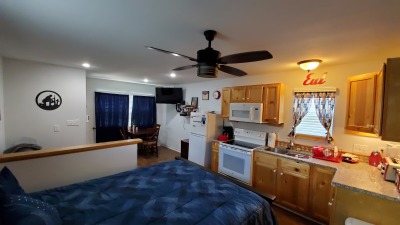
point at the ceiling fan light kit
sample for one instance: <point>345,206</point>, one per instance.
<point>209,61</point>
<point>309,64</point>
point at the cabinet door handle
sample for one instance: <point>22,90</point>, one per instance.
<point>330,203</point>
<point>281,174</point>
<point>274,171</point>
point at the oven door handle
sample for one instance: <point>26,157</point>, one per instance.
<point>233,149</point>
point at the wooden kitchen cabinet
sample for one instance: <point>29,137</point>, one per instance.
<point>391,106</point>
<point>365,207</point>
<point>214,156</point>
<point>264,173</point>
<point>364,93</point>
<point>293,184</point>
<point>297,185</point>
<point>226,101</point>
<point>248,94</point>
<point>273,103</point>
<point>321,197</point>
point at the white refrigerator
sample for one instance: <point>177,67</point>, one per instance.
<point>204,128</point>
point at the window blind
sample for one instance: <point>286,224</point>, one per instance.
<point>310,124</point>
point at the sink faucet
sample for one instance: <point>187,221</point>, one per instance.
<point>291,144</point>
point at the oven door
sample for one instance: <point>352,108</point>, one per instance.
<point>235,162</point>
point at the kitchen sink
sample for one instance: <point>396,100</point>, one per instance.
<point>278,150</point>
<point>288,152</point>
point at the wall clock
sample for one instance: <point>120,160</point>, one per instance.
<point>216,94</point>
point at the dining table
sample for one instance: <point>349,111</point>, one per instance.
<point>141,132</point>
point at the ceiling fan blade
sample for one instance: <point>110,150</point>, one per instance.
<point>185,67</point>
<point>232,70</point>
<point>172,53</point>
<point>245,57</point>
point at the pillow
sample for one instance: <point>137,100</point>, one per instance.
<point>9,184</point>
<point>24,210</point>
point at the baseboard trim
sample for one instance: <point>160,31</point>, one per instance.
<point>298,214</point>
<point>177,150</point>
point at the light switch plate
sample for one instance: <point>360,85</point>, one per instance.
<point>73,122</point>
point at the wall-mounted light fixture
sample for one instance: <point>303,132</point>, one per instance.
<point>309,64</point>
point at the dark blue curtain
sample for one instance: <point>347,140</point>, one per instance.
<point>144,113</point>
<point>111,112</point>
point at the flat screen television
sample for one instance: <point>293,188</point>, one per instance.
<point>168,95</point>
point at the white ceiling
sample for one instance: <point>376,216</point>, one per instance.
<point>111,34</point>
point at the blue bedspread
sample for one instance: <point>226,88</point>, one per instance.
<point>174,192</point>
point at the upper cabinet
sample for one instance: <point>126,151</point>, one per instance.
<point>391,105</point>
<point>271,95</point>
<point>251,94</point>
<point>363,103</point>
<point>273,103</point>
<point>226,100</point>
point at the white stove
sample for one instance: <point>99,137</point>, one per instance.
<point>235,156</point>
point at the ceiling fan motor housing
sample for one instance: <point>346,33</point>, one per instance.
<point>207,63</point>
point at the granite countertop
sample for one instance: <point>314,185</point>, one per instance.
<point>359,177</point>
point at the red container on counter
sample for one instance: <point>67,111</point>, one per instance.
<point>222,137</point>
<point>375,158</point>
<point>318,151</point>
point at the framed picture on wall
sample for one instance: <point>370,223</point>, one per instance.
<point>194,102</point>
<point>205,95</point>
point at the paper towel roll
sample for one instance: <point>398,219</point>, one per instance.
<point>271,140</point>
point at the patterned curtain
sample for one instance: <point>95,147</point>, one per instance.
<point>301,105</point>
<point>324,106</point>
<point>144,113</point>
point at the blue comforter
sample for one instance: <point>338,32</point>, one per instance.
<point>173,192</point>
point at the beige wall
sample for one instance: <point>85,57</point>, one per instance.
<point>336,77</point>
<point>2,137</point>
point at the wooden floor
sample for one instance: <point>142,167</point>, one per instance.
<point>165,154</point>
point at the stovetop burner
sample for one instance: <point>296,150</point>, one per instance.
<point>243,144</point>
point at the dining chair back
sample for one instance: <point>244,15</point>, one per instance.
<point>124,133</point>
<point>150,142</point>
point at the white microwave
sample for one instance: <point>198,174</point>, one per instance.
<point>246,112</point>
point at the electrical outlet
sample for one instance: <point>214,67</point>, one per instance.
<point>362,149</point>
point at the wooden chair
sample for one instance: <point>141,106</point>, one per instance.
<point>150,143</point>
<point>124,133</point>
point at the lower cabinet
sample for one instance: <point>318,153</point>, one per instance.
<point>214,156</point>
<point>264,173</point>
<point>293,184</point>
<point>297,185</point>
<point>321,193</point>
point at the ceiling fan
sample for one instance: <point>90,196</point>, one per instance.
<point>209,60</point>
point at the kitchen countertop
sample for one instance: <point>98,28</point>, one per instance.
<point>360,177</point>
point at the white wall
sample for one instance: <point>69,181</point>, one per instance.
<point>117,87</point>
<point>55,171</point>
<point>2,137</point>
<point>23,80</point>
<point>336,77</point>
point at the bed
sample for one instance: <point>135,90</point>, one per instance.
<point>174,192</point>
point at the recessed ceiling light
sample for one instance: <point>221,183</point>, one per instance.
<point>174,54</point>
<point>86,65</point>
<point>172,75</point>
<point>145,80</point>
